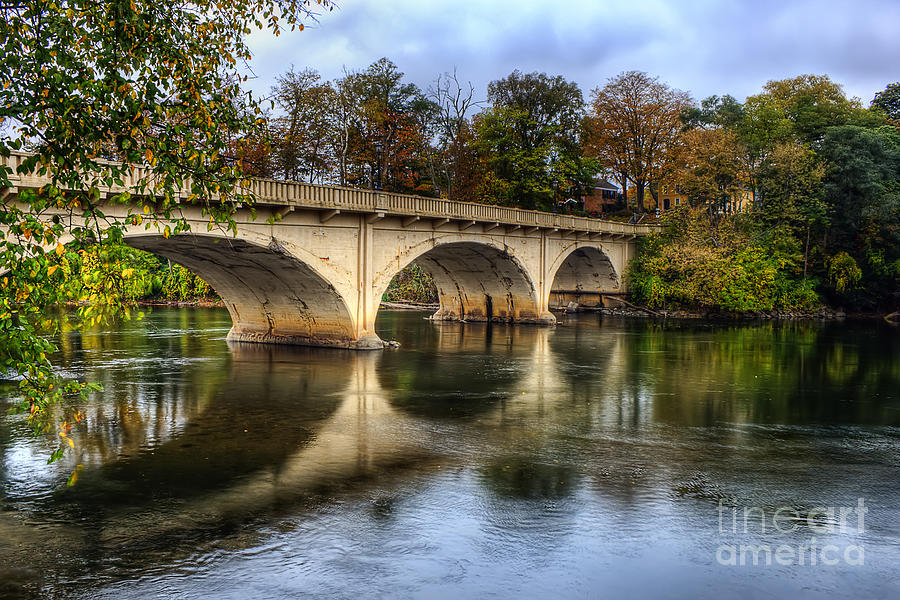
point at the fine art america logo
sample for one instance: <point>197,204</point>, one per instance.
<point>833,525</point>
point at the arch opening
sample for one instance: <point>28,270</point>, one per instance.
<point>479,282</point>
<point>586,277</point>
<point>272,296</point>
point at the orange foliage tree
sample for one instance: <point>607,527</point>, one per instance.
<point>634,128</point>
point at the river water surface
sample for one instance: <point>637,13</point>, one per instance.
<point>600,458</point>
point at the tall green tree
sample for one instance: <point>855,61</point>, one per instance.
<point>790,206</point>
<point>714,112</point>
<point>800,108</point>
<point>862,187</point>
<point>797,110</point>
<point>887,101</point>
<point>300,132</point>
<point>530,140</point>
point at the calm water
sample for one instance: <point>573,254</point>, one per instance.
<point>601,458</point>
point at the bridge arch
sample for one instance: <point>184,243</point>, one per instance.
<point>582,275</point>
<point>272,295</point>
<point>476,280</point>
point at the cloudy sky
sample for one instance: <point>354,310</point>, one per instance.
<point>701,46</point>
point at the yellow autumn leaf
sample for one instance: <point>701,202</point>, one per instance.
<point>52,269</point>
<point>60,249</point>
<point>149,155</point>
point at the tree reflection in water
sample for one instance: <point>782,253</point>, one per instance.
<point>561,438</point>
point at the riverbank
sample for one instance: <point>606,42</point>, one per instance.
<point>823,314</point>
<point>402,305</point>
<point>206,303</point>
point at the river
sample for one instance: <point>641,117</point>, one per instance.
<point>600,458</point>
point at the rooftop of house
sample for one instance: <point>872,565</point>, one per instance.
<point>603,184</point>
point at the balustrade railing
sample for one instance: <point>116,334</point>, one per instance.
<point>278,193</point>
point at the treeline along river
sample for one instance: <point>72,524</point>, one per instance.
<point>602,455</point>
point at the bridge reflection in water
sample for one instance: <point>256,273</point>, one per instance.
<point>285,426</point>
<point>213,437</point>
<point>502,445</point>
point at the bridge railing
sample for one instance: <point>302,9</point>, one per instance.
<point>333,197</point>
<point>267,192</point>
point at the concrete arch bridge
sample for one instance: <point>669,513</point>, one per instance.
<point>312,265</point>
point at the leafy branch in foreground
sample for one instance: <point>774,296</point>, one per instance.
<point>136,95</point>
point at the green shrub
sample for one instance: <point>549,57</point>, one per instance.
<point>843,272</point>
<point>411,284</point>
<point>698,263</point>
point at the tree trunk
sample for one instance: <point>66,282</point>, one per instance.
<point>806,253</point>
<point>434,178</point>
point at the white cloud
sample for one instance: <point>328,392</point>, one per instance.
<point>704,47</point>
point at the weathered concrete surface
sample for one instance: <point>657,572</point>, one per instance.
<point>586,275</point>
<point>272,296</point>
<point>312,264</point>
<point>477,279</point>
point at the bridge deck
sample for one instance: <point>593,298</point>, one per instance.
<point>340,199</point>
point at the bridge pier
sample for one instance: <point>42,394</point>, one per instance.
<point>483,314</point>
<point>240,333</point>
